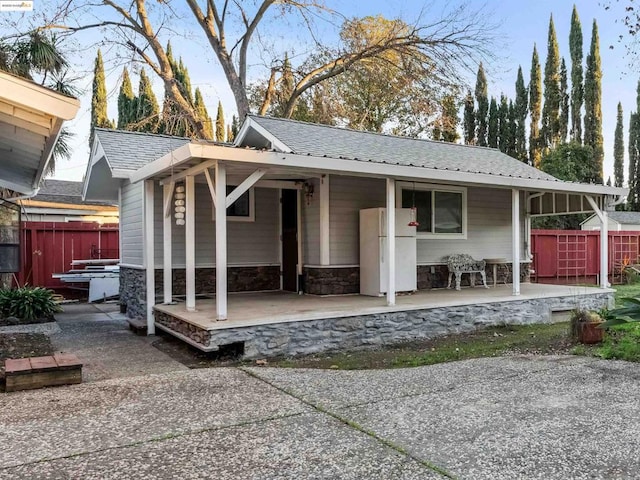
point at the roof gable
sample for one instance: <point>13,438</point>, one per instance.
<point>128,151</point>
<point>327,141</point>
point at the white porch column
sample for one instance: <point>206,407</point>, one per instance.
<point>515,238</point>
<point>190,244</point>
<point>149,254</point>
<point>604,250</point>
<point>604,240</point>
<point>167,222</point>
<point>391,241</point>
<point>325,248</point>
<point>221,241</point>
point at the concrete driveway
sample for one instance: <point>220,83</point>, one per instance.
<point>499,418</point>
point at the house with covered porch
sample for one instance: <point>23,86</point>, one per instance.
<point>260,243</point>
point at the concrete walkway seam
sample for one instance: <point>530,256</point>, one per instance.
<point>355,426</point>
<point>161,438</point>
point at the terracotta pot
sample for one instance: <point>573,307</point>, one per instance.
<point>589,332</point>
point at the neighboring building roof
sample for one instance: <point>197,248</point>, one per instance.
<point>131,150</point>
<point>625,218</point>
<point>323,140</point>
<point>63,191</point>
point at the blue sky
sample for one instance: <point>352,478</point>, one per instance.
<point>520,25</point>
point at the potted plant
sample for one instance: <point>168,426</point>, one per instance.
<point>586,326</point>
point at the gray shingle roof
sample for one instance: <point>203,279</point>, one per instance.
<point>335,142</point>
<point>63,191</point>
<point>632,218</point>
<point>132,150</point>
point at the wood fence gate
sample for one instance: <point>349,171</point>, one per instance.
<point>50,247</point>
<point>573,256</point>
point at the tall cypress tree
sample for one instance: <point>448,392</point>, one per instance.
<point>493,124</point>
<point>203,115</point>
<point>551,108</point>
<point>520,112</point>
<point>469,120</point>
<point>563,129</point>
<point>577,89</point>
<point>126,102</point>
<point>235,128</point>
<point>593,102</point>
<point>634,155</point>
<point>220,131</point>
<point>618,150</point>
<point>535,102</point>
<point>503,124</point>
<point>147,114</point>
<point>99,116</point>
<point>513,132</point>
<point>482,100</point>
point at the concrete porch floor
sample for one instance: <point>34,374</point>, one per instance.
<point>265,308</point>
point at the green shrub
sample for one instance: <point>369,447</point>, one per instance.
<point>622,343</point>
<point>28,303</point>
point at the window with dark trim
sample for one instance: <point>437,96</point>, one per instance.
<point>440,212</point>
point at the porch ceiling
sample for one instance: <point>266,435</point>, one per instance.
<point>31,117</point>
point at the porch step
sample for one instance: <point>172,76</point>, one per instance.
<point>39,372</point>
<point>138,326</point>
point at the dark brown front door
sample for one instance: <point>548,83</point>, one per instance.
<point>290,240</point>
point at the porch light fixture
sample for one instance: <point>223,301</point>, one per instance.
<point>413,218</point>
<point>308,192</point>
<point>179,205</point>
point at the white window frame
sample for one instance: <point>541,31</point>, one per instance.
<point>235,218</point>
<point>436,188</point>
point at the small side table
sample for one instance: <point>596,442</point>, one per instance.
<point>494,262</point>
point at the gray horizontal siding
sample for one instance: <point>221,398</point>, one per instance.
<point>348,195</point>
<point>131,224</point>
<point>488,229</point>
<point>488,217</point>
<point>247,242</point>
<point>311,226</point>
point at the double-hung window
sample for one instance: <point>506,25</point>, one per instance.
<point>441,210</point>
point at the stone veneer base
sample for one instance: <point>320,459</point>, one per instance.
<point>361,331</point>
<point>241,279</point>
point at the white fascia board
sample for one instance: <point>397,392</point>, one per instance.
<point>47,153</point>
<point>242,132</point>
<point>122,174</point>
<point>37,98</point>
<point>25,191</point>
<point>173,158</point>
<point>361,168</point>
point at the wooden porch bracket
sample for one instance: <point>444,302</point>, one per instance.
<point>244,186</point>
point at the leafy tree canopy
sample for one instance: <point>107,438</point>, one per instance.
<point>572,162</point>
<point>443,44</point>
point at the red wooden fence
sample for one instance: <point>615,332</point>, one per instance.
<point>50,247</point>
<point>573,256</point>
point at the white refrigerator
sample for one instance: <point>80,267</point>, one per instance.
<point>373,251</point>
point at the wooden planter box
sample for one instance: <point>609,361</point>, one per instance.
<point>590,333</point>
<point>38,372</point>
